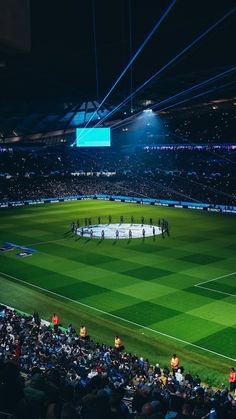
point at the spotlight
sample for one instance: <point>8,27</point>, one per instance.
<point>147,102</point>
<point>147,110</point>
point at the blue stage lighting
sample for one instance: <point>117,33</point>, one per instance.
<point>176,57</point>
<point>182,93</point>
<point>156,26</point>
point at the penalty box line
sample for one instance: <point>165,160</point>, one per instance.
<point>118,317</point>
<point>199,285</point>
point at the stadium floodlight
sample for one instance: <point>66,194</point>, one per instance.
<point>205,92</point>
<point>172,105</point>
<point>181,93</point>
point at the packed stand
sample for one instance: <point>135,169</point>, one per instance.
<point>178,174</point>
<point>49,373</point>
<point>212,123</point>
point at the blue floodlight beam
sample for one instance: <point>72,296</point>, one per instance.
<point>213,89</point>
<point>135,55</point>
<point>183,92</point>
<point>172,60</point>
<point>185,100</point>
<point>130,53</point>
<point>95,47</point>
<point>197,86</point>
<point>119,124</point>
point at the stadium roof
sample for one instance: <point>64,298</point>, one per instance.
<point>80,49</point>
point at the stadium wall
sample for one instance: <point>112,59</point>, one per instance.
<point>127,199</point>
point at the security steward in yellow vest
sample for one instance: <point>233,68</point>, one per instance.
<point>83,332</point>
<point>118,344</point>
<point>174,362</point>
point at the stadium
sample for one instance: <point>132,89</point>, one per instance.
<point>118,206</point>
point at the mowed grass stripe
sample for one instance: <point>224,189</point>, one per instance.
<point>122,319</point>
<point>140,263</point>
<point>198,329</point>
<point>147,312</point>
<point>49,276</point>
<point>227,338</point>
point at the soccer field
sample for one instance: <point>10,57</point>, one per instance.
<point>161,296</point>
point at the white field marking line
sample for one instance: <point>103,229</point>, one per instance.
<point>214,279</point>
<point>211,289</point>
<point>49,241</point>
<point>199,285</point>
<point>117,317</point>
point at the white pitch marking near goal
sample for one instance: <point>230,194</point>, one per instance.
<point>199,285</point>
<point>118,317</point>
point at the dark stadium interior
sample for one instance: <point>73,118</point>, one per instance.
<point>172,117</point>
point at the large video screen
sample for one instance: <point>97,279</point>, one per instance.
<point>93,137</point>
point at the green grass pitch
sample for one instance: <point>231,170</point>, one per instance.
<point>156,294</point>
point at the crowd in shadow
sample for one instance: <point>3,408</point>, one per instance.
<point>50,373</point>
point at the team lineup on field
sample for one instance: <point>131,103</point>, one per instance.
<point>120,230</point>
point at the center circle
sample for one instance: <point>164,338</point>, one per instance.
<point>118,231</point>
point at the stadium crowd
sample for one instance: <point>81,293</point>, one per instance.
<point>190,175</point>
<point>195,161</point>
<point>212,122</point>
<point>172,188</point>
<point>52,373</point>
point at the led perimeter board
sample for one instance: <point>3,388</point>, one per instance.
<point>93,137</point>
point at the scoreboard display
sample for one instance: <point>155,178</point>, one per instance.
<point>93,137</point>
